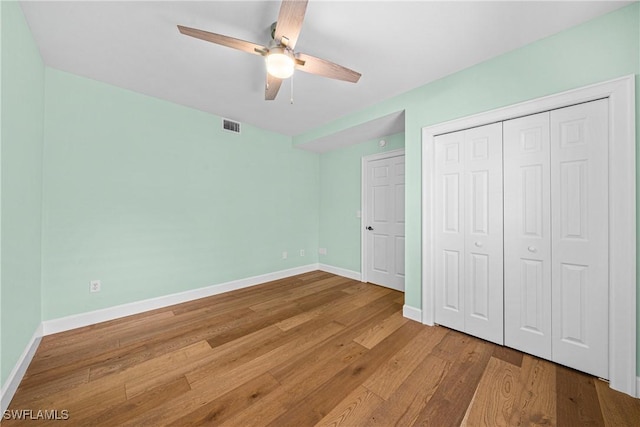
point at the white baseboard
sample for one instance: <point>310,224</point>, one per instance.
<point>638,387</point>
<point>412,313</point>
<point>110,313</point>
<point>350,274</point>
<point>13,381</point>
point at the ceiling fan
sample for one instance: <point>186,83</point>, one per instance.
<point>280,57</point>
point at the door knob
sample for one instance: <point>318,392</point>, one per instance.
<point>369,227</point>
<point>478,244</point>
<point>532,249</point>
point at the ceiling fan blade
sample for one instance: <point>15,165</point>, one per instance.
<point>273,86</point>
<point>325,68</point>
<point>290,22</point>
<point>224,40</point>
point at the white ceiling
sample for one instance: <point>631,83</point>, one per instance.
<point>396,45</point>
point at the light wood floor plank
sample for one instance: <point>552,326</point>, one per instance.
<point>353,410</point>
<point>450,401</point>
<point>405,404</point>
<point>536,404</point>
<point>372,336</point>
<point>390,376</point>
<point>618,409</point>
<point>508,355</point>
<point>494,399</point>
<point>577,398</point>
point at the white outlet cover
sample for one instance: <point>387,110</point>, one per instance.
<point>284,255</point>
<point>94,286</point>
<point>301,252</point>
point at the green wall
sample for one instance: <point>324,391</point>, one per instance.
<point>21,186</point>
<point>153,198</point>
<point>604,48</point>
<point>340,194</point>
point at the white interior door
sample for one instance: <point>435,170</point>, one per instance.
<point>384,221</point>
<point>580,250</point>
<point>483,236</point>
<point>527,229</point>
<point>468,231</point>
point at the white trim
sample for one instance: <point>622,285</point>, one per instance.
<point>363,204</point>
<point>412,313</point>
<point>638,387</point>
<point>110,313</point>
<point>349,274</point>
<point>15,377</point>
<point>622,211</point>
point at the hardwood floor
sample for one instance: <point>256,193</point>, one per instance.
<point>315,349</point>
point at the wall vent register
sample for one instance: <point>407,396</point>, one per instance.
<point>231,126</point>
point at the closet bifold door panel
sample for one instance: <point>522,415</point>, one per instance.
<point>579,243</point>
<point>483,237</point>
<point>527,229</point>
<point>468,224</point>
<point>449,227</point>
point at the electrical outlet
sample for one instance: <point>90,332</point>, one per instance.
<point>94,286</point>
<point>284,255</point>
<point>301,252</point>
<point>322,251</point>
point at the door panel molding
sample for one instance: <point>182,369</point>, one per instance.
<point>620,94</point>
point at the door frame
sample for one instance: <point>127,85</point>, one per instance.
<point>364,199</point>
<point>622,211</point>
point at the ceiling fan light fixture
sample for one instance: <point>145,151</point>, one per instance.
<point>280,62</point>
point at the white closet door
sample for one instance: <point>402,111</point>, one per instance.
<point>579,211</point>
<point>483,236</point>
<point>527,229</point>
<point>449,230</point>
<point>468,231</point>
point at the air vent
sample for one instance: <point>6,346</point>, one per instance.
<point>231,126</point>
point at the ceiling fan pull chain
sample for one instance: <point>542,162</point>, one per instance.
<point>292,90</point>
